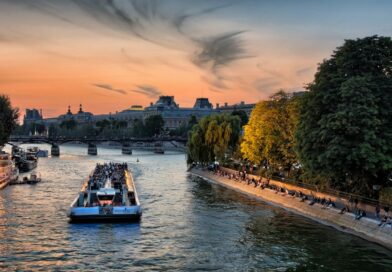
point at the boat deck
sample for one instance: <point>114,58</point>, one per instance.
<point>107,194</point>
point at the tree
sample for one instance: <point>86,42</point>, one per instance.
<point>242,115</point>
<point>8,119</point>
<point>52,131</point>
<point>40,128</point>
<point>68,124</point>
<point>213,138</point>
<point>269,135</point>
<point>102,124</point>
<point>153,125</point>
<point>345,127</point>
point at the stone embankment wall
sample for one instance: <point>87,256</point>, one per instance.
<point>341,202</point>
<point>365,227</point>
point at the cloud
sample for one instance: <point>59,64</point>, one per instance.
<point>147,90</point>
<point>267,84</point>
<point>158,22</point>
<point>180,20</point>
<point>109,88</point>
<point>303,71</point>
<point>219,51</point>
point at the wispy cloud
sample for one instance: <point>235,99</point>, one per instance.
<point>147,90</point>
<point>267,84</point>
<point>147,20</point>
<point>109,88</point>
<point>303,71</point>
<point>219,51</point>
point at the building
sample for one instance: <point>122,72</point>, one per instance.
<point>173,115</point>
<point>247,108</point>
<point>80,117</point>
<point>32,116</point>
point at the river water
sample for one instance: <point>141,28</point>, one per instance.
<point>187,225</point>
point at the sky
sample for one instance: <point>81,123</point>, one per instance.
<point>109,55</point>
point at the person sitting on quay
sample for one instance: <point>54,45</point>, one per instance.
<point>383,221</point>
<point>359,214</point>
<point>314,200</point>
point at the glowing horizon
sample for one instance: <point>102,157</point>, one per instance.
<point>109,55</point>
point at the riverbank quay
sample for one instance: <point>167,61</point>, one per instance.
<point>365,227</point>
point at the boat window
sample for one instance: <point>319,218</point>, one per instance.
<point>105,197</point>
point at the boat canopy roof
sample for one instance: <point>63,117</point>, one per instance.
<point>106,191</point>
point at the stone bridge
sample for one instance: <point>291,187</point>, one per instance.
<point>153,143</point>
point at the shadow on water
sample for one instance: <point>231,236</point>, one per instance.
<point>261,236</point>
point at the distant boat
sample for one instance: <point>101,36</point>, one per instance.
<point>25,161</point>
<point>108,194</point>
<point>42,153</point>
<point>159,150</point>
<point>33,179</point>
<point>126,150</point>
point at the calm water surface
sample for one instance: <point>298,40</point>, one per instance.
<point>187,225</point>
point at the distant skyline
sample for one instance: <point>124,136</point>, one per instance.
<point>109,55</point>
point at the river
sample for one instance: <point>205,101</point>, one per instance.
<point>187,225</point>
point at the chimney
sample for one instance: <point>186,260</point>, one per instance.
<point>225,104</point>
<point>242,103</point>
<point>217,105</point>
<point>151,104</point>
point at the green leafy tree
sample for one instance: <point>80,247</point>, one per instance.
<point>153,125</point>
<point>53,131</point>
<point>345,129</point>
<point>8,119</point>
<point>269,134</point>
<point>68,124</point>
<point>242,115</point>
<point>213,138</point>
<point>40,128</point>
<point>102,124</point>
<point>138,128</point>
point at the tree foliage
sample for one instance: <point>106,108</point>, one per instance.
<point>269,135</point>
<point>68,124</point>
<point>213,137</point>
<point>242,115</point>
<point>8,119</point>
<point>345,127</point>
<point>153,125</point>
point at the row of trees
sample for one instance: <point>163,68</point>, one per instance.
<point>338,134</point>
<point>152,125</point>
<point>213,138</point>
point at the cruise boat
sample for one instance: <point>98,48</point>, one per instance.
<point>41,153</point>
<point>108,194</point>
<point>6,169</point>
<point>25,161</point>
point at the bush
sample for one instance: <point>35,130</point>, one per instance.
<point>386,195</point>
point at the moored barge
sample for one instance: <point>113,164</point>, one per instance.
<point>108,194</point>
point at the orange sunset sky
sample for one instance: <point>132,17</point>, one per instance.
<point>109,55</point>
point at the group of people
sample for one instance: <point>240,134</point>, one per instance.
<point>263,183</point>
<point>352,206</point>
<point>115,172</point>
